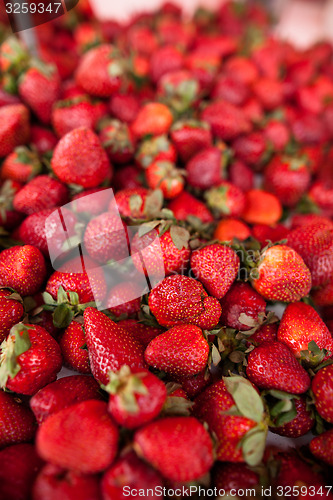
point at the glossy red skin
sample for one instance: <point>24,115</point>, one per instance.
<point>241,299</point>
<point>109,346</point>
<point>70,114</point>
<point>234,476</point>
<point>178,447</point>
<point>205,169</point>
<point>124,107</point>
<point>43,139</point>
<point>20,171</point>
<point>264,233</point>
<point>71,344</point>
<point>277,133</point>
<point>241,175</point>
<point>193,386</point>
<point>129,471</point>
<point>89,438</point>
<point>264,333</point>
<point>250,148</point>
<point>185,204</point>
<point>122,200</point>
<point>227,199</point>
<point>123,293</point>
<point>281,369</point>
<point>322,387</point>
<point>230,89</point>
<point>18,424</point>
<point>300,425</point>
<point>321,447</point>
<point>93,205</point>
<point>20,465</point>
<point>323,296</point>
<point>11,312</point>
<point>227,121</point>
<point>163,60</point>
<point>40,193</point>
<point>149,405</point>
<point>14,129</point>
<point>55,483</point>
<point>23,269</point>
<point>189,139</point>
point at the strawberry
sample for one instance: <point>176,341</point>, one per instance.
<point>226,199</point>
<point>229,477</point>
<point>130,202</point>
<point>185,205</point>
<point>206,168</point>
<point>282,275</point>
<point>250,148</point>
<point>11,311</point>
<point>181,351</point>
<point>277,135</point>
<point>117,140</point>
<point>89,438</point>
<point>136,396</point>
<point>61,394</point>
<point>39,88</point>
<point>23,269</point>
<point>266,234</point>
<point>40,193</point>
<point>181,300</point>
<point>266,332</point>
<point>322,388</point>
<point>124,107</point>
<point>128,177</point>
<point>18,424</point>
<point>242,68</point>
<point>164,60</point>
<point>19,466</point>
<point>80,276</point>
<point>14,129</point>
<point>282,370</point>
<point>240,429</point>
<point>93,201</point>
<point>269,92</point>
<point>300,325</point>
<point>141,332</point>
<point>230,89</point>
<point>106,238</point>
<point>288,178</point>
<point>76,112</point>
<point>54,482</point>
<point>30,359</point>
<point>189,137</point>
<point>101,71</point>
<point>43,139</point>
<point>109,346</point>
<point>72,343</point>
<point>80,159</point>
<point>9,218</point>
<point>21,165</point>
<point>241,175</point>
<point>196,384</point>
<point>314,242</point>
<point>298,426</point>
<point>132,473</point>
<point>321,194</point>
<point>226,120</point>
<point>216,267</point>
<point>230,229</point>
<point>165,176</point>
<point>179,90</point>
<point>323,296</point>
<point>153,118</point>
<point>179,448</point>
<point>241,300</point>
<point>261,207</point>
<point>321,447</point>
<point>153,149</point>
<point>120,299</point>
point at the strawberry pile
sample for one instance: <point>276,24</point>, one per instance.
<point>215,139</point>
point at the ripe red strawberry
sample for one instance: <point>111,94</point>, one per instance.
<point>322,447</point>
<point>216,267</point>
<point>43,139</point>
<point>282,275</point>
<point>40,193</point>
<point>11,311</point>
<point>124,107</point>
<point>182,300</point>
<point>269,92</point>
<point>81,276</point>
<point>153,149</point>
<point>266,234</point>
<point>300,425</point>
<point>179,89</point>
<point>39,88</point>
<point>196,384</point>
<point>30,359</point>
<point>21,165</point>
<point>206,168</point>
<point>23,269</point>
<point>226,199</point>
<point>153,118</point>
<point>322,388</point>
<point>277,134</point>
<point>106,238</point>
<point>141,332</point>
<point>226,120</point>
<point>72,343</point>
<point>164,60</point>
<point>101,71</point>
<point>230,89</point>
<point>282,370</point>
<point>84,202</point>
<point>185,205</point>
<point>117,140</point>
<point>132,473</point>
<point>14,129</point>
<point>18,424</point>
<point>19,466</point>
<point>314,242</point>
<point>120,299</point>
<point>165,176</point>
<point>136,396</point>
<point>265,333</point>
<point>80,159</point>
<point>54,483</point>
<point>241,175</point>
<point>9,218</point>
<point>89,438</point>
<point>240,300</point>
<point>63,393</point>
<point>300,325</point>
<point>234,441</point>
<point>231,477</point>
<point>189,137</point>
<point>109,346</point>
<point>180,448</point>
<point>182,351</point>
<point>321,194</point>
<point>288,178</point>
<point>242,68</point>
<point>128,177</point>
<point>76,112</point>
<point>250,148</point>
<point>130,202</point>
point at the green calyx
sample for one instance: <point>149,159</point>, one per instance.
<point>65,308</point>
<point>16,344</point>
<point>313,355</point>
<point>281,407</point>
<point>127,385</point>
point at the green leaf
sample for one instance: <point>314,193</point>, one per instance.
<point>48,299</point>
<point>73,298</point>
<point>63,316</point>
<point>62,297</point>
<point>180,237</point>
<point>147,227</point>
<point>248,401</point>
<point>135,203</point>
<point>253,447</point>
<point>286,417</point>
<point>247,320</point>
<point>284,405</point>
